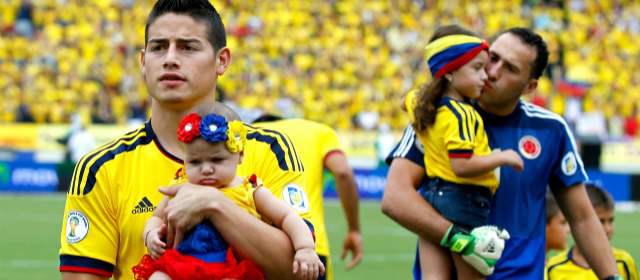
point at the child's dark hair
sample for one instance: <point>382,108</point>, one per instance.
<point>599,196</point>
<point>552,206</point>
<point>431,93</point>
<point>199,10</point>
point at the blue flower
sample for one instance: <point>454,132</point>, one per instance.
<point>213,128</point>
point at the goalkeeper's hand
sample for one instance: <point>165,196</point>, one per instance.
<point>481,248</point>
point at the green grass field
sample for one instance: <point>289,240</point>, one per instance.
<point>29,239</point>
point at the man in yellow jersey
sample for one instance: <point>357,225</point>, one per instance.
<point>318,147</point>
<point>114,189</point>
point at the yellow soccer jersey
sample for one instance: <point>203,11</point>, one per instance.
<point>562,267</point>
<point>458,132</point>
<point>115,189</point>
<point>314,142</point>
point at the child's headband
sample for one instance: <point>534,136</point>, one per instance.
<point>451,52</point>
<point>213,128</point>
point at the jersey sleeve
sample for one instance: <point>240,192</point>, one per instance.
<point>273,158</point>
<point>89,234</point>
<point>568,169</point>
<point>453,122</point>
<point>410,101</point>
<point>409,147</point>
<point>329,142</point>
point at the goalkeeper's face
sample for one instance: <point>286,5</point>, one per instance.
<point>508,72</point>
<point>606,217</point>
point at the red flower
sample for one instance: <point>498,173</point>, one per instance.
<point>189,128</point>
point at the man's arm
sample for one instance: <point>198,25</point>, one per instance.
<point>338,165</point>
<point>402,203</point>
<point>267,246</point>
<point>586,229</point>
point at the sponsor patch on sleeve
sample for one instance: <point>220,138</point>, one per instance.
<point>569,164</point>
<point>77,227</point>
<point>295,196</point>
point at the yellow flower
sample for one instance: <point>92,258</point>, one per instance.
<point>236,136</point>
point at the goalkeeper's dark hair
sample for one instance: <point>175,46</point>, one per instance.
<point>599,197</point>
<point>430,93</point>
<point>199,10</point>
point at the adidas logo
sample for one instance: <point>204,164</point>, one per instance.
<point>143,206</point>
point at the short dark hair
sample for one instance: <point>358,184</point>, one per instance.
<point>599,197</point>
<point>534,40</point>
<point>267,118</point>
<point>199,10</point>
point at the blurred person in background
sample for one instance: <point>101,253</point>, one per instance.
<point>572,263</point>
<point>318,146</point>
<point>557,229</point>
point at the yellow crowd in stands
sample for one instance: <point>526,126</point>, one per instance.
<point>332,59</point>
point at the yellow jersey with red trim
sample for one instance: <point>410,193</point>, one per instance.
<point>458,132</point>
<point>114,191</point>
<point>314,142</point>
<point>563,267</point>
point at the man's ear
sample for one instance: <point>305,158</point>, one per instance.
<point>142,62</point>
<point>223,60</point>
<point>241,157</point>
<point>531,85</point>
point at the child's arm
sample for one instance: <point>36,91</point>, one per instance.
<point>154,230</point>
<point>306,264</point>
<point>477,165</point>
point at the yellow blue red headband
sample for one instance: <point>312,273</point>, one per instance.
<point>451,52</point>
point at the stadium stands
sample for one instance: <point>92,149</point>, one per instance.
<point>338,62</point>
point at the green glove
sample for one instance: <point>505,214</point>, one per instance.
<point>481,248</point>
<point>458,240</point>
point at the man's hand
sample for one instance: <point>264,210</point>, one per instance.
<point>353,243</point>
<point>481,248</point>
<point>185,209</point>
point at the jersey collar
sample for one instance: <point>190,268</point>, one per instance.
<point>149,129</point>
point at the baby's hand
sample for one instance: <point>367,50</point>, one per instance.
<point>307,265</point>
<point>153,241</point>
<point>513,159</point>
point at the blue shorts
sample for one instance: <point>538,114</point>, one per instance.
<point>465,205</point>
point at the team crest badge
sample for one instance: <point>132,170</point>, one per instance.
<point>529,147</point>
<point>296,197</point>
<point>77,227</point>
<point>569,164</point>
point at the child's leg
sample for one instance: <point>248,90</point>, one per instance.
<point>465,270</point>
<point>159,275</point>
<point>435,262</point>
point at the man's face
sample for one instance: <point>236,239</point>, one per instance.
<point>509,71</point>
<point>179,65</point>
